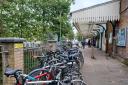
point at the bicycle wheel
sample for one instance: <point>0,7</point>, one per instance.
<point>41,74</point>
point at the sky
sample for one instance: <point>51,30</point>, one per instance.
<point>79,4</point>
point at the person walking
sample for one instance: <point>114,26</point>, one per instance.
<point>83,44</point>
<point>89,43</point>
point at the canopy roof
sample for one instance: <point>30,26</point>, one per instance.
<point>101,13</point>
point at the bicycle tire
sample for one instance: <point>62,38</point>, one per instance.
<point>37,72</point>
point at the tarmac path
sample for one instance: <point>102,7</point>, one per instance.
<point>103,70</point>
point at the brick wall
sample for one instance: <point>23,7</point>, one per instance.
<point>124,14</point>
<point>15,60</point>
<point>18,58</point>
<point>123,23</point>
<point>121,52</point>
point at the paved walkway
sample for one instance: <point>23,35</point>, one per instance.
<point>102,70</point>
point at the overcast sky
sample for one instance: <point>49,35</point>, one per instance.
<point>79,4</point>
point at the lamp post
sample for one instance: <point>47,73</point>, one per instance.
<point>60,26</point>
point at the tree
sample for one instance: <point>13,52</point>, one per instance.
<point>34,19</point>
<point>79,36</point>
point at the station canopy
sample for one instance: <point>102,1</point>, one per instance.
<point>97,14</point>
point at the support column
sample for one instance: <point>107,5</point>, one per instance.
<point>12,56</point>
<point>52,45</point>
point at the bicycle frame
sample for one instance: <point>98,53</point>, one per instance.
<point>49,77</point>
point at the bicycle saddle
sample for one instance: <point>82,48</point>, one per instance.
<point>10,71</point>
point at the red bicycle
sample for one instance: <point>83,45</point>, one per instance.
<point>22,78</point>
<point>43,74</point>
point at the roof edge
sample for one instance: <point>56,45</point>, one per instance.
<point>97,5</point>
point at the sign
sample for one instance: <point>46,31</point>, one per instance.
<point>121,37</point>
<point>127,35</point>
<point>18,45</point>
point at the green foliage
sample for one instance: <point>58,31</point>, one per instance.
<point>34,19</point>
<point>70,35</point>
<point>79,37</point>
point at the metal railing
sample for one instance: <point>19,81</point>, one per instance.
<point>30,62</point>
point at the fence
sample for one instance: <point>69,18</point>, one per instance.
<point>7,59</point>
<point>29,52</point>
<point>30,62</point>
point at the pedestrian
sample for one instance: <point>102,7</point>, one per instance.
<point>83,44</point>
<point>89,43</point>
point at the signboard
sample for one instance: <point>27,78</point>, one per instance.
<point>127,35</point>
<point>18,45</point>
<point>121,37</point>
